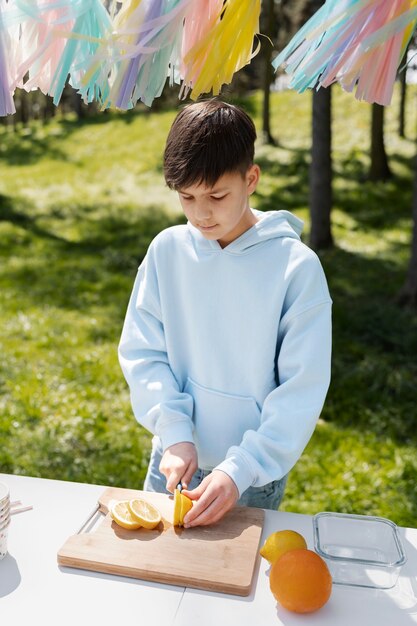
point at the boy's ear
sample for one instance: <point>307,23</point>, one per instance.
<point>252,177</point>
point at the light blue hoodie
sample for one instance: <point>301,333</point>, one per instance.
<point>231,348</point>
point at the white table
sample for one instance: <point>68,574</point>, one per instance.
<point>35,590</point>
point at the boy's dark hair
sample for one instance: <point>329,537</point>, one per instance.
<point>208,139</point>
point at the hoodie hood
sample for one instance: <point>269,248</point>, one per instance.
<point>271,225</point>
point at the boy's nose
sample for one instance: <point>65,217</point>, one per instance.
<point>202,212</point>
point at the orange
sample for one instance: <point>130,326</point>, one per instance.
<point>300,580</point>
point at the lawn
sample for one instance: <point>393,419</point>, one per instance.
<point>79,204</point>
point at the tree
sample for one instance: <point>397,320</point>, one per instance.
<point>321,171</point>
<point>379,169</point>
<point>268,72</point>
<point>403,100</point>
<point>408,293</point>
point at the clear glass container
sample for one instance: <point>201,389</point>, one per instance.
<point>359,550</point>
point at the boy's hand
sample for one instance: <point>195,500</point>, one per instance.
<point>216,495</point>
<point>178,464</point>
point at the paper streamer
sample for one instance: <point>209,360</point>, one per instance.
<point>6,99</point>
<point>121,51</point>
<point>224,48</point>
<point>357,43</point>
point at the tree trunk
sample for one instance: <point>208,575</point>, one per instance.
<point>321,195</point>
<point>380,169</point>
<point>267,78</point>
<point>25,108</point>
<point>49,108</point>
<point>408,294</point>
<point>403,100</point>
<point>77,105</point>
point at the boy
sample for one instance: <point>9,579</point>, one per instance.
<point>227,339</point>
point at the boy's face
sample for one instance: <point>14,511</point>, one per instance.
<point>222,212</point>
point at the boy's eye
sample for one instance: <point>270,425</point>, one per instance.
<point>218,197</point>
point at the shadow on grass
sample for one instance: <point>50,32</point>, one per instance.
<point>374,206</point>
<point>9,213</point>
<point>410,477</point>
<point>374,347</point>
<point>98,270</point>
<point>27,148</point>
<point>34,141</point>
<point>294,193</point>
<point>30,143</point>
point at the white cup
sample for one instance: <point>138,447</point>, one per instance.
<point>4,494</point>
<point>5,509</point>
<point>3,540</point>
<point>4,518</point>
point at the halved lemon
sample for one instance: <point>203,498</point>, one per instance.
<point>186,505</point>
<point>121,514</point>
<point>177,507</point>
<point>146,514</point>
<point>182,504</point>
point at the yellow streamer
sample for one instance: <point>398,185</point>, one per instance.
<point>225,49</point>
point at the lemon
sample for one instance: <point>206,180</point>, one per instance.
<point>280,542</point>
<point>121,514</point>
<point>177,507</point>
<point>143,512</point>
<point>186,505</point>
<point>182,504</point>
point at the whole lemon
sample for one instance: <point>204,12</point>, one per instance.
<point>279,542</point>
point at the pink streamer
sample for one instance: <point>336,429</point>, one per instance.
<point>6,93</point>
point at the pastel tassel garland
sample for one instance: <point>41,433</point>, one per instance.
<point>154,55</point>
<point>358,43</point>
<point>39,50</point>
<point>121,51</point>
<point>92,23</point>
<point>224,49</point>
<point>118,52</point>
<point>200,20</point>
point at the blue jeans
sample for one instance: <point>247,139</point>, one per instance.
<point>267,497</point>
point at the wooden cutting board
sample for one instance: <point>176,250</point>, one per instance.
<point>220,557</point>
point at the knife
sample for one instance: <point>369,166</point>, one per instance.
<point>179,486</point>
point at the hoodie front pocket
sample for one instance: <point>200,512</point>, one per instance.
<point>220,421</point>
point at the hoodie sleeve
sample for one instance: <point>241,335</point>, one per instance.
<point>157,402</point>
<point>291,410</point>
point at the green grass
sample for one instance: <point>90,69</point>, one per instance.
<point>79,204</point>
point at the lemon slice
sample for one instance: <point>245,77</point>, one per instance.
<point>182,504</point>
<point>121,514</point>
<point>146,514</point>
